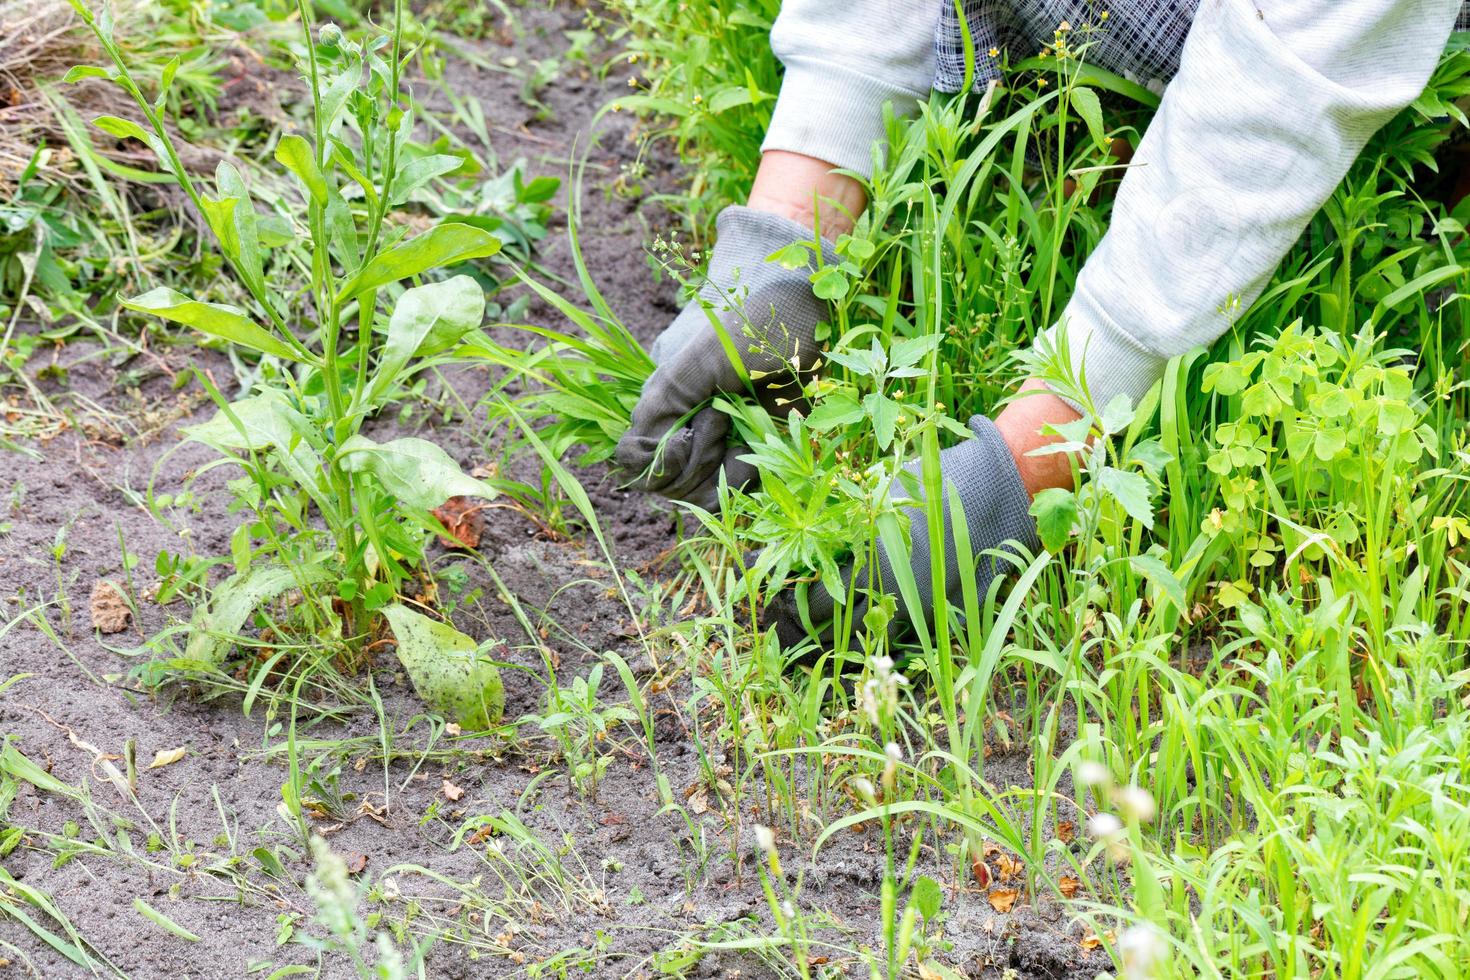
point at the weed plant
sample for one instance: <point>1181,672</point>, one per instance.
<point>1238,659</point>
<point>338,521</point>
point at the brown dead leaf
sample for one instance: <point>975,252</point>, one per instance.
<point>1008,866</point>
<point>452,793</point>
<point>982,872</point>
<point>356,863</point>
<point>110,612</point>
<point>613,820</point>
<point>1068,885</point>
<point>1002,899</point>
<point>166,757</point>
<point>481,835</point>
<point>1066,831</point>
<point>461,518</point>
<point>1090,941</point>
<point>989,849</point>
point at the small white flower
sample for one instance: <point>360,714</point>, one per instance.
<point>894,753</point>
<point>1091,773</point>
<point>389,888</point>
<point>1105,827</point>
<point>1109,829</point>
<point>788,910</point>
<point>765,839</point>
<point>1142,947</point>
<point>1137,803</point>
<point>865,790</point>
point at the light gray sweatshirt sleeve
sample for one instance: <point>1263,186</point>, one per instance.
<point>1273,101</point>
<point>843,61</point>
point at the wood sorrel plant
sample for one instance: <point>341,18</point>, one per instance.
<point>331,358</point>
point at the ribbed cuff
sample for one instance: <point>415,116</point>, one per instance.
<point>833,114</point>
<point>1112,362</point>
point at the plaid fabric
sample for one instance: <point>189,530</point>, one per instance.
<point>1138,39</point>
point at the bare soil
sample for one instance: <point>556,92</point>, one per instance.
<point>639,894</point>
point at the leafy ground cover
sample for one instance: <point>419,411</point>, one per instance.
<point>331,647</point>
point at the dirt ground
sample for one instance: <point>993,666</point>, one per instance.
<point>631,892</point>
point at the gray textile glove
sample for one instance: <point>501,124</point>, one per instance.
<point>771,316</point>
<point>997,510</point>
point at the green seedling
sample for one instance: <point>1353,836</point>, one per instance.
<point>373,317</point>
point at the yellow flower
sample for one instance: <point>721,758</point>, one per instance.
<point>994,52</point>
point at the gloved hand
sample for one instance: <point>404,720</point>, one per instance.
<point>997,510</point>
<point>770,315</point>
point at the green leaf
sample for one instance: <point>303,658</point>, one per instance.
<point>417,173</point>
<point>1130,490</point>
<point>166,81</point>
<point>912,350</point>
<point>220,214</point>
<point>217,622</point>
<point>127,129</point>
<point>443,245</point>
<point>295,154</point>
<point>260,422</point>
<point>833,412</point>
<point>447,669</point>
<point>884,412</point>
<point>797,255</point>
<point>829,283</point>
<point>162,921</point>
<point>1089,107</point>
<point>79,73</point>
<point>243,221</point>
<point>1055,511</point>
<point>415,471</point>
<point>427,320</point>
<point>15,764</point>
<point>926,897</point>
<point>1161,576</point>
<point>1329,443</point>
<point>215,319</point>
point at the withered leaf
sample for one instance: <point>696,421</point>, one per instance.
<point>461,518</point>
<point>1068,885</point>
<point>452,793</point>
<point>1008,866</point>
<point>1066,831</point>
<point>166,757</point>
<point>110,612</point>
<point>982,872</point>
<point>356,863</point>
<point>1002,899</point>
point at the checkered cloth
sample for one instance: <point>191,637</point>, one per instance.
<point>1138,39</point>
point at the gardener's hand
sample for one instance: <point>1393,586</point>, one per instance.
<point>677,444</point>
<point>997,508</point>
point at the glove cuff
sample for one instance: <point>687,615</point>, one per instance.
<point>997,508</point>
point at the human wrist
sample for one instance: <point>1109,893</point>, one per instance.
<point>807,191</point>
<point>1021,424</point>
